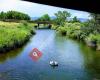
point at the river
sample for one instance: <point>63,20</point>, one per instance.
<point>76,60</point>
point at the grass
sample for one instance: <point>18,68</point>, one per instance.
<point>13,35</point>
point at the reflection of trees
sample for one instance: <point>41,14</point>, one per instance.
<point>91,60</point>
<point>9,55</point>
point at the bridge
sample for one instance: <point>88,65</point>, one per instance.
<point>46,24</point>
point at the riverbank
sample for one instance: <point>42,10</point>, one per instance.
<point>14,35</point>
<point>77,31</point>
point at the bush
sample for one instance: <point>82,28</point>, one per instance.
<point>91,37</point>
<point>97,37</point>
<point>62,30</point>
<point>93,40</point>
<point>71,29</point>
<point>54,27</point>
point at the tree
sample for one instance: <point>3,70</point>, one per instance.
<point>14,15</point>
<point>2,15</point>
<point>95,22</point>
<point>61,17</point>
<point>45,17</point>
<point>17,15</point>
<point>75,19</point>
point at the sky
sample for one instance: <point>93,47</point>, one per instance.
<point>37,10</point>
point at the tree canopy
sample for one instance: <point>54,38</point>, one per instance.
<point>61,17</point>
<point>45,17</point>
<point>75,19</point>
<point>14,15</point>
<point>94,23</point>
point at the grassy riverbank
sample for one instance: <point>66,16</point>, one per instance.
<point>13,35</point>
<point>80,32</point>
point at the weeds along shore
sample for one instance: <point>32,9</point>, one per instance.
<point>14,35</point>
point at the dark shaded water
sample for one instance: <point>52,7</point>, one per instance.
<point>76,60</point>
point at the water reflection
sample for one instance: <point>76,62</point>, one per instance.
<point>10,55</point>
<point>91,60</point>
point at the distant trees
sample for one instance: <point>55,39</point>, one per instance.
<point>2,15</point>
<point>61,17</point>
<point>45,17</point>
<point>14,15</point>
<point>75,19</point>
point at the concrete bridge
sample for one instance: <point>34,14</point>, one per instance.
<point>46,24</point>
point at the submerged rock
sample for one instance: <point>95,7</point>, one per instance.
<point>91,43</point>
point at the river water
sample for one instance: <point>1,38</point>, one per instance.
<point>76,60</point>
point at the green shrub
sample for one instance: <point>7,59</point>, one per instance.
<point>71,29</point>
<point>98,38</point>
<point>54,27</point>
<point>91,37</point>
<point>62,30</point>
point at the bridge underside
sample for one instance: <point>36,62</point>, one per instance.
<point>83,5</point>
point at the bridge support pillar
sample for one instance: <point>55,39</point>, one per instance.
<point>38,24</point>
